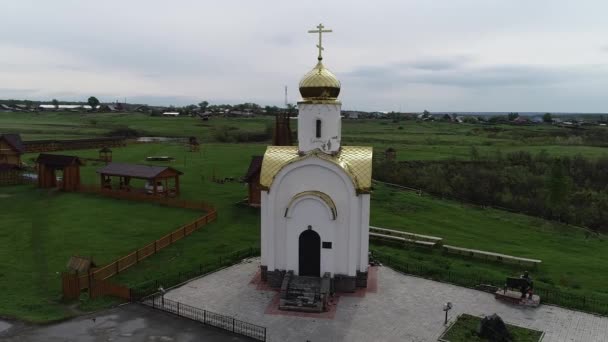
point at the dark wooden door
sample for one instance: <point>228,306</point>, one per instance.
<point>310,254</point>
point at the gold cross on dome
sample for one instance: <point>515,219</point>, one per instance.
<point>320,30</point>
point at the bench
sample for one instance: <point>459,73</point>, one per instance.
<point>408,236</point>
<point>492,256</point>
<point>400,240</point>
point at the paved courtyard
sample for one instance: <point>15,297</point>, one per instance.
<point>127,323</point>
<point>403,308</point>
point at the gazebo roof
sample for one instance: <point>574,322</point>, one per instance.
<point>14,140</point>
<point>138,170</point>
<point>57,160</point>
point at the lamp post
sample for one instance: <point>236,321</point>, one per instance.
<point>447,307</point>
<point>162,294</point>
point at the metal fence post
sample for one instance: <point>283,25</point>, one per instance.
<point>205,316</point>
<point>178,308</point>
<point>232,324</point>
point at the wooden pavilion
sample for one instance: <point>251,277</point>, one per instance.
<point>48,164</point>
<point>252,178</point>
<point>156,177</point>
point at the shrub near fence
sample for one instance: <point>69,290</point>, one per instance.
<point>589,303</point>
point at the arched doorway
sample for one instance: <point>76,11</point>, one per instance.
<point>310,254</point>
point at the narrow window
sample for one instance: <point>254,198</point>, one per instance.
<point>318,128</point>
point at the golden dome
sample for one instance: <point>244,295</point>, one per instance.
<point>319,83</point>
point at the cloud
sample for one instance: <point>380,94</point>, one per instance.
<point>439,63</point>
<point>461,74</point>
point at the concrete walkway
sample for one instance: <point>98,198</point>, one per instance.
<point>133,322</point>
<point>404,308</point>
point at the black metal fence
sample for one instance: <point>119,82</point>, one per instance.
<point>228,323</point>
<point>168,280</point>
<point>589,303</point>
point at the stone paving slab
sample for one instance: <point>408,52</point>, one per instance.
<point>404,308</point>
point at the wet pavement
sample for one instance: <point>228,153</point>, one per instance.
<point>132,322</point>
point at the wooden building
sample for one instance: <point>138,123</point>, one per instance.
<point>282,130</point>
<point>11,149</point>
<point>49,164</point>
<point>252,178</point>
<point>157,178</point>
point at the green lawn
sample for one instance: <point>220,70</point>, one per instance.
<point>40,230</point>
<point>465,330</point>
<point>413,140</point>
<point>572,260</point>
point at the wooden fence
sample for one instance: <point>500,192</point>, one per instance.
<point>73,284</point>
<point>32,146</point>
<point>144,197</point>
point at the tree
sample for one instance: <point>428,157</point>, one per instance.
<point>93,102</point>
<point>547,118</point>
<point>203,105</point>
<point>55,103</point>
<point>512,116</point>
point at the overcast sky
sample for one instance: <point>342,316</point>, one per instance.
<point>440,55</point>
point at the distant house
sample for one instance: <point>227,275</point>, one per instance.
<point>521,120</point>
<point>6,108</point>
<point>107,108</point>
<point>351,115</point>
<point>240,113</point>
<point>142,109</point>
<point>537,119</point>
<point>174,114</point>
<point>65,107</point>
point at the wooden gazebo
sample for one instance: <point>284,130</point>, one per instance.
<point>157,178</point>
<point>48,164</point>
<point>105,155</point>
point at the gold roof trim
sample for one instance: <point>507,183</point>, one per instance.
<point>356,161</point>
<point>323,196</point>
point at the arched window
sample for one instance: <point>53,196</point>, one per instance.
<point>318,128</point>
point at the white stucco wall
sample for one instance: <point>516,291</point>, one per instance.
<point>348,233</point>
<point>331,127</point>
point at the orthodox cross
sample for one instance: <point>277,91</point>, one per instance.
<point>320,30</point>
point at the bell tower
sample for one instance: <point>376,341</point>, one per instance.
<point>319,122</point>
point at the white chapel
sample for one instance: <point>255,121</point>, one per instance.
<point>315,199</point>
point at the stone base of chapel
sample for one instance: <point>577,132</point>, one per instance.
<point>339,283</point>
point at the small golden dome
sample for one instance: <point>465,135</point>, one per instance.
<point>319,83</point>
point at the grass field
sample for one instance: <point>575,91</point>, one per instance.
<point>572,260</point>
<point>42,229</point>
<point>414,140</point>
